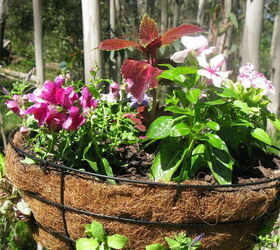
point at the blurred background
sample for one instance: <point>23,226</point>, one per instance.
<point>52,36</point>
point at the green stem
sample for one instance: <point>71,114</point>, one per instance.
<point>154,104</point>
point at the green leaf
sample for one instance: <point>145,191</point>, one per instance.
<point>220,164</point>
<point>213,125</point>
<point>160,128</point>
<point>117,241</point>
<point>107,169</point>
<point>179,110</point>
<point>230,93</point>
<point>215,102</point>
<point>215,141</point>
<point>97,231</point>
<point>241,123</point>
<point>196,159</point>
<point>173,244</point>
<point>182,70</point>
<point>88,156</point>
<point>167,161</point>
<point>242,105</point>
<point>167,74</point>
<point>86,244</point>
<point>28,161</point>
<point>261,135</point>
<point>180,129</point>
<point>155,247</point>
<point>276,123</point>
<point>193,95</point>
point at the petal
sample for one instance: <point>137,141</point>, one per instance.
<point>194,42</point>
<point>217,81</point>
<point>217,61</point>
<point>180,56</point>
<point>202,61</point>
<point>204,72</point>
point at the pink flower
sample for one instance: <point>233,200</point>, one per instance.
<point>212,70</point>
<point>249,77</point>
<point>40,111</point>
<point>23,130</point>
<point>14,105</point>
<point>114,89</point>
<point>86,100</point>
<point>199,44</point>
<point>74,120</point>
<point>56,120</point>
<point>66,97</point>
<point>59,81</point>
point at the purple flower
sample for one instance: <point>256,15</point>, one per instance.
<point>74,120</point>
<point>86,100</point>
<point>198,238</point>
<point>135,104</point>
<point>15,104</point>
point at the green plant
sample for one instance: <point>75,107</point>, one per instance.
<point>98,240</point>
<point>179,242</point>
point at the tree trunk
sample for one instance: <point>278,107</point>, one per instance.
<point>142,6</point>
<point>3,9</point>
<point>224,40</point>
<point>200,12</point>
<point>275,70</point>
<point>37,13</point>
<point>91,34</point>
<point>112,18</point>
<point>176,13</point>
<point>252,32</point>
<point>164,15</point>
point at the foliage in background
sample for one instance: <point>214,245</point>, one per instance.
<point>15,234</point>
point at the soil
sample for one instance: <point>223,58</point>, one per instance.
<point>259,166</point>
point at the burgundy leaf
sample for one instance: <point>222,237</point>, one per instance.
<point>148,31</point>
<point>142,74</point>
<point>177,32</point>
<point>116,44</point>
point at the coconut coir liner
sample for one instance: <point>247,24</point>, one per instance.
<point>159,204</point>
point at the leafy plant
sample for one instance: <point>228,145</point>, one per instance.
<point>179,242</point>
<point>98,240</point>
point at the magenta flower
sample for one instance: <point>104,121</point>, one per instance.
<point>212,70</point>
<point>14,105</point>
<point>198,44</point>
<point>56,120</point>
<point>59,81</point>
<point>86,100</point>
<point>40,111</point>
<point>66,97</point>
<point>74,120</point>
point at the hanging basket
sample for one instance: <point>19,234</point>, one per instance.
<point>63,200</point>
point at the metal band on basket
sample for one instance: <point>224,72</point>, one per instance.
<point>67,170</point>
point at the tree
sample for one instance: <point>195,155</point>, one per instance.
<point>200,12</point>
<point>164,15</point>
<point>3,8</point>
<point>275,59</point>
<point>91,34</point>
<point>37,13</point>
<point>142,6</point>
<point>252,32</point>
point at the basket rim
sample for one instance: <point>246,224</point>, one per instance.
<point>64,168</point>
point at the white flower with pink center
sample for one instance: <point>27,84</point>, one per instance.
<point>249,77</point>
<point>212,70</point>
<point>199,44</point>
